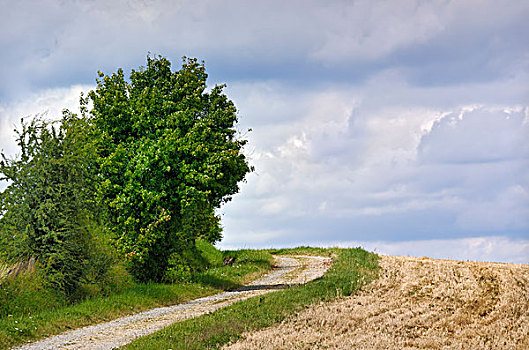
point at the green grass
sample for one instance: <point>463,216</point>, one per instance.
<point>247,266</point>
<point>29,312</point>
<point>352,268</point>
<point>314,251</point>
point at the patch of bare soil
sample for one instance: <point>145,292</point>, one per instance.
<point>417,303</point>
<point>110,335</point>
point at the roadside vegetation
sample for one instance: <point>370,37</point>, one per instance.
<point>28,311</point>
<point>113,210</point>
<point>137,175</point>
<point>352,269</point>
<point>304,250</point>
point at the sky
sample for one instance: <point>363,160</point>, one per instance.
<point>399,126</point>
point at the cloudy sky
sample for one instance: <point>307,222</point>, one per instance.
<point>401,126</point>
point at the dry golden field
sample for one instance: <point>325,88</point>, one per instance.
<point>417,303</point>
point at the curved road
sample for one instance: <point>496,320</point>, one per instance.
<point>110,335</point>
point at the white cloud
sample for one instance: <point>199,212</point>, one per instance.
<point>477,135</point>
<point>508,210</point>
<point>364,168</point>
<point>480,156</point>
<point>494,248</point>
<point>354,30</point>
<point>49,102</point>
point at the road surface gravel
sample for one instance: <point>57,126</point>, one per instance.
<point>290,270</point>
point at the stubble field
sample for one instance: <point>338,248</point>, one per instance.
<point>417,303</point>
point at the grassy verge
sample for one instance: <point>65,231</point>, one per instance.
<point>314,251</point>
<point>27,321</point>
<point>246,266</point>
<point>352,269</point>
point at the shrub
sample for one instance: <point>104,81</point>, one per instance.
<point>48,209</point>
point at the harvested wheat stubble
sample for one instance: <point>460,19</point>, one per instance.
<point>417,303</point>
<point>110,335</point>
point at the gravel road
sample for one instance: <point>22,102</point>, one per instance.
<point>116,333</point>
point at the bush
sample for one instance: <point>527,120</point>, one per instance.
<point>48,209</point>
<point>118,279</point>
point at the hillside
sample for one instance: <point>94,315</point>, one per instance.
<point>417,303</point>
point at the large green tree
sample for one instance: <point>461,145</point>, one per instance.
<point>170,156</point>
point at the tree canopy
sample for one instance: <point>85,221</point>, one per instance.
<point>169,158</point>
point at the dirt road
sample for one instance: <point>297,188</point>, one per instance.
<point>110,335</point>
<point>418,303</point>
